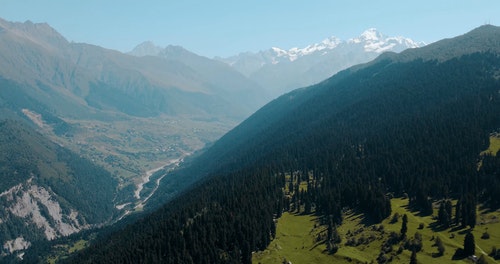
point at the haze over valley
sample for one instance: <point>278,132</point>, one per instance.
<point>368,147</point>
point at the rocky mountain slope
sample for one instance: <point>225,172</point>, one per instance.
<point>129,114</point>
<point>125,113</point>
<point>283,70</point>
<point>47,191</point>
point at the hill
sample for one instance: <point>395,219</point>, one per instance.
<point>47,191</point>
<point>412,124</point>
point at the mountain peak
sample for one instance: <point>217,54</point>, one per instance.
<point>146,48</point>
<point>374,41</point>
<point>371,39</point>
<point>371,34</point>
<point>294,53</point>
<point>38,33</point>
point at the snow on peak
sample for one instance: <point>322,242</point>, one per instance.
<point>374,41</point>
<point>294,53</point>
<point>371,34</point>
<point>371,40</point>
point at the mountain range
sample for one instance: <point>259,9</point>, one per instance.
<point>87,116</point>
<point>410,125</point>
<point>123,115</point>
<point>285,70</point>
<point>86,76</point>
<point>279,70</point>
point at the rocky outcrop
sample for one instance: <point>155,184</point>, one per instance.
<point>38,207</point>
<point>16,244</point>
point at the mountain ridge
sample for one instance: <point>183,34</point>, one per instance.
<point>412,129</point>
<point>37,54</point>
<point>35,191</point>
<point>282,70</point>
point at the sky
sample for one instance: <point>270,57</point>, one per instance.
<point>228,27</point>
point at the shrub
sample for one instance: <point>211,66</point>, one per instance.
<point>394,218</point>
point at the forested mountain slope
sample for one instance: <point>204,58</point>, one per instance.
<point>47,191</point>
<point>128,114</point>
<point>411,124</point>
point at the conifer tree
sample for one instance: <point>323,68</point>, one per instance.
<point>469,244</point>
<point>413,258</point>
<point>404,226</point>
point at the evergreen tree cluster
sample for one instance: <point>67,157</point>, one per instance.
<point>223,220</point>
<point>412,128</point>
<point>77,183</point>
<point>489,180</point>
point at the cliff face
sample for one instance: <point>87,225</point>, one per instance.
<point>40,208</point>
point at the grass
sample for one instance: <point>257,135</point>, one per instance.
<point>63,251</point>
<point>494,146</point>
<point>295,241</point>
<point>296,238</point>
<point>492,149</point>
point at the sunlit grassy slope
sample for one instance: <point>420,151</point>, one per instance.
<point>494,145</point>
<point>296,238</point>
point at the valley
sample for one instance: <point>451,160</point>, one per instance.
<point>134,149</point>
<point>378,163</point>
<point>388,154</point>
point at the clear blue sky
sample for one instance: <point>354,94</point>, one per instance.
<point>227,27</point>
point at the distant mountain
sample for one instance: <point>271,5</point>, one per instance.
<point>411,124</point>
<point>86,78</point>
<point>47,191</point>
<point>146,48</point>
<point>69,85</point>
<point>126,113</point>
<point>283,70</point>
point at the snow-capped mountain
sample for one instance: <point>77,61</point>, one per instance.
<point>282,70</point>
<point>374,41</point>
<point>294,53</point>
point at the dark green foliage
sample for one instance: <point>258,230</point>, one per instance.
<point>333,238</point>
<point>404,226</point>
<point>466,210</point>
<point>444,213</point>
<point>412,127</point>
<point>469,244</point>
<point>76,183</point>
<point>495,253</point>
<point>394,218</point>
<point>413,257</point>
<point>482,260</point>
<point>489,180</point>
<point>415,243</point>
<point>221,221</point>
<point>440,246</point>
